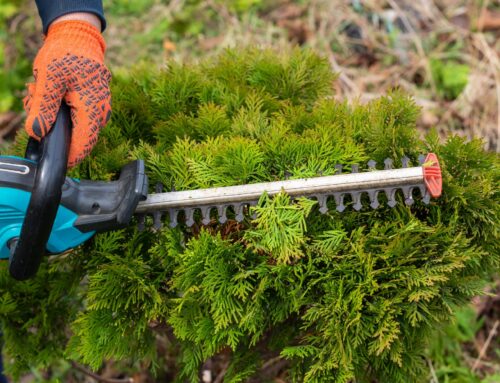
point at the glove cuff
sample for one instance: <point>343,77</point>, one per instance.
<point>83,38</point>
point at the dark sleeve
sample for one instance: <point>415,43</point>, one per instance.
<point>52,9</point>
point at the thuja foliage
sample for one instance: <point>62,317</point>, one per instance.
<point>342,297</point>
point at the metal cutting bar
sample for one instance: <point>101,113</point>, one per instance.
<point>352,182</point>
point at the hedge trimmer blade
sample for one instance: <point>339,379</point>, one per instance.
<point>426,178</point>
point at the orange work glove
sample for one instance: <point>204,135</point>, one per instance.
<point>70,66</point>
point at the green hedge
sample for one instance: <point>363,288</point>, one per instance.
<point>345,296</point>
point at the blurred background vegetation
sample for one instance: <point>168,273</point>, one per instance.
<point>443,52</point>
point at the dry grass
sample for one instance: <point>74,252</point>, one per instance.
<point>375,46</point>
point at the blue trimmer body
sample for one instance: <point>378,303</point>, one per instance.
<point>16,180</point>
<point>43,211</point>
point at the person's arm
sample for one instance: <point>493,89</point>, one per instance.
<point>70,67</point>
<point>52,10</point>
<point>82,16</point>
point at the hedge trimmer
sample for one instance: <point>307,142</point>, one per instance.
<point>42,210</point>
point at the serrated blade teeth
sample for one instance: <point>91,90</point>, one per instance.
<point>251,205</point>
<point>157,215</point>
<point>322,203</point>
<point>356,199</point>
<point>339,201</point>
<point>173,218</point>
<point>405,162</point>
<point>238,210</point>
<point>189,216</point>
<point>388,164</point>
<point>427,197</point>
<point>157,223</point>
<point>374,203</point>
<point>241,199</point>
<point>205,214</point>
<point>391,197</point>
<point>422,190</point>
<point>408,194</point>
<point>222,213</point>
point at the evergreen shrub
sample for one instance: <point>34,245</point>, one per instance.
<point>341,297</point>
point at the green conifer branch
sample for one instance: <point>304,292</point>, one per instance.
<point>341,297</point>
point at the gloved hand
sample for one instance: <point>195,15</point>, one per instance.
<point>70,66</point>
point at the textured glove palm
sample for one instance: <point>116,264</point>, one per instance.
<point>70,66</point>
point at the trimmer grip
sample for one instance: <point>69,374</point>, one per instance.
<point>27,251</point>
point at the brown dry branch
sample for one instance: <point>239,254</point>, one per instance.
<point>488,21</point>
<point>482,353</point>
<point>9,123</point>
<point>433,372</point>
<point>220,376</point>
<point>492,57</point>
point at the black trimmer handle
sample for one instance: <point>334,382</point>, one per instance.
<point>52,156</point>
